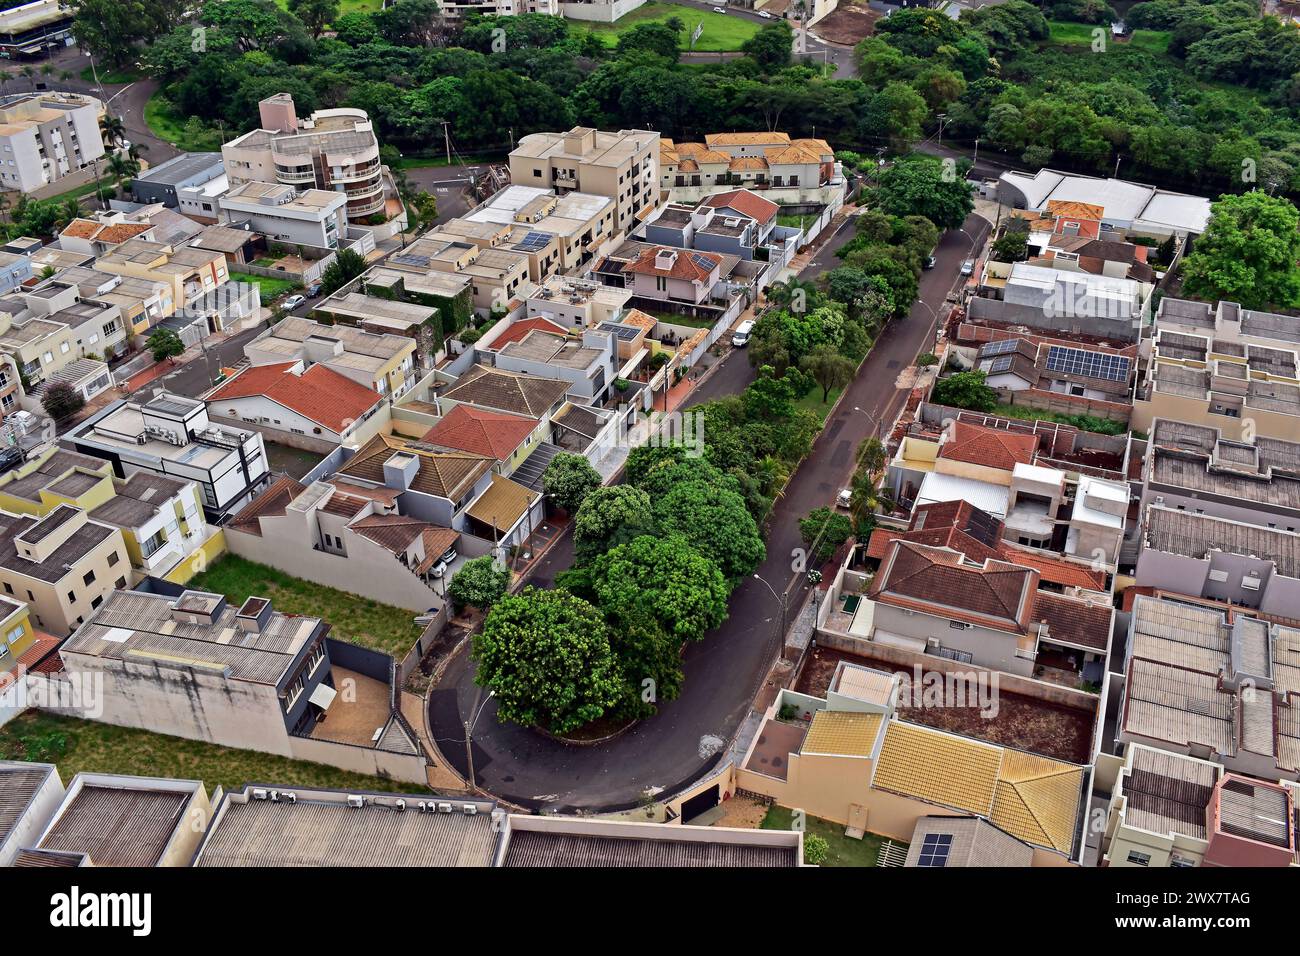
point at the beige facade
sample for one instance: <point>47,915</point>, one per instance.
<point>190,273</point>
<point>47,136</point>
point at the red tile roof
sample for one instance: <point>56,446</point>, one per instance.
<point>521,328</point>
<point>320,394</point>
<point>483,432</point>
<point>944,583</point>
<point>1077,623</point>
<point>992,447</point>
<point>751,204</point>
<point>685,264</point>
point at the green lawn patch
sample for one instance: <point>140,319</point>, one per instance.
<point>813,401</point>
<point>1081,34</point>
<point>795,222</point>
<point>721,34</point>
<point>844,851</point>
<point>87,746</point>
<point>1088,423</point>
<point>270,289</point>
<point>111,77</point>
<point>347,6</point>
<point>165,122</point>
<point>355,618</point>
<point>89,189</point>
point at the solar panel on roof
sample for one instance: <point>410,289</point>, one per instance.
<point>534,240</point>
<point>1113,368</point>
<point>411,259</point>
<point>999,364</point>
<point>983,527</point>
<point>702,261</point>
<point>1000,348</point>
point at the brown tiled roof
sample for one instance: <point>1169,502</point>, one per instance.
<point>992,447</point>
<point>391,532</point>
<point>747,164</point>
<point>445,474</point>
<point>319,394</point>
<point>504,391</point>
<point>521,328</point>
<point>436,542</point>
<point>503,503</point>
<point>1078,623</point>
<point>273,501</point>
<point>744,139</point>
<point>1069,209</point>
<point>481,431</point>
<point>941,582</point>
<point>742,200</point>
<point>684,265</point>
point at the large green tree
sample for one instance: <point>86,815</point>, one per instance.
<point>608,517</point>
<point>480,583</point>
<point>570,478</point>
<point>716,522</point>
<point>664,579</point>
<point>1248,253</point>
<point>114,30</point>
<point>926,187</point>
<point>547,657</point>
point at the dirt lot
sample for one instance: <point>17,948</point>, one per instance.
<point>742,812</point>
<point>1026,723</point>
<point>848,24</point>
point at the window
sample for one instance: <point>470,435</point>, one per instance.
<point>935,849</point>
<point>4,652</point>
<point>97,601</point>
<point>1139,859</point>
<point>9,588</point>
<point>72,597</point>
<point>120,583</point>
<point>113,559</point>
<point>63,347</point>
<point>89,577</point>
<point>1181,862</point>
<point>13,636</point>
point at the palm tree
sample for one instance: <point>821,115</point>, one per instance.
<point>30,73</point>
<point>122,167</point>
<point>113,129</point>
<point>69,210</point>
<point>65,75</point>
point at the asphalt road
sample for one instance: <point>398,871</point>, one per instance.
<point>689,735</point>
<point>196,377</point>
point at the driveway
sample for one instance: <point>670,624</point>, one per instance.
<point>688,736</point>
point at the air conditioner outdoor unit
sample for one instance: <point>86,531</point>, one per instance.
<point>356,801</point>
<point>470,809</point>
<point>259,793</point>
<point>400,805</point>
<point>444,808</point>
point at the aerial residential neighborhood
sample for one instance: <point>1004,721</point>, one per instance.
<point>652,434</point>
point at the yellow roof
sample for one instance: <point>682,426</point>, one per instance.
<point>954,771</point>
<point>842,733</point>
<point>503,503</point>
<point>1038,799</point>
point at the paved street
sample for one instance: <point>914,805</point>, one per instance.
<point>689,735</point>
<point>195,377</point>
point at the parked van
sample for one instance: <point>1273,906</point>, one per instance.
<point>741,338</point>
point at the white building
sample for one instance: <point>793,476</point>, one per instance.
<point>1128,207</point>
<point>47,136</point>
<point>308,217</point>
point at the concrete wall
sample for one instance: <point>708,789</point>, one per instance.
<point>31,824</point>
<point>409,768</point>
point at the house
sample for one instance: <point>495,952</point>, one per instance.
<point>191,274</point>
<point>171,435</point>
<point>1222,366</point>
<point>522,218</point>
<point>1171,810</point>
<point>500,390</point>
<point>1023,363</point>
<point>1073,237</point>
<point>508,438</point>
<point>334,150</point>
<point>663,273</point>
<point>850,759</point>
<point>29,793</point>
<point>264,825</point>
<point>588,361</point>
<point>737,223</point>
<point>51,326</point>
<point>796,171</point>
<point>382,362</point>
<point>303,406</point>
<point>101,232</point>
<point>47,137</point>
<point>167,182</point>
<point>498,276</point>
<point>142,303</point>
<point>15,270</point>
<point>286,215</point>
<point>119,821</point>
<point>965,841</point>
<point>63,565</point>
<point>1084,299</point>
<point>622,166</point>
<point>21,645</point>
<point>1217,685</point>
<point>567,303</point>
<point>350,537</point>
<point>1129,209</point>
<point>238,245</point>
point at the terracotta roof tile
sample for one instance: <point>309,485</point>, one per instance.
<point>742,200</point>
<point>272,501</point>
<point>320,394</point>
<point>443,474</point>
<point>529,395</point>
<point>481,431</point>
<point>521,328</point>
<point>1077,623</point>
<point>686,264</point>
<point>992,447</point>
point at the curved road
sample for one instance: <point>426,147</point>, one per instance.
<point>690,735</point>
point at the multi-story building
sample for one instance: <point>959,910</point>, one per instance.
<point>15,269</point>
<point>47,136</point>
<point>575,303</point>
<point>143,303</point>
<point>190,273</point>
<point>167,182</point>
<point>499,277</point>
<point>35,28</point>
<point>1222,366</point>
<point>62,565</point>
<point>307,217</point>
<point>785,169</point>
<point>623,166</point>
<point>384,363</point>
<point>735,223</point>
<point>588,361</point>
<point>171,435</point>
<point>600,11</point>
<point>21,645</point>
<point>334,150</point>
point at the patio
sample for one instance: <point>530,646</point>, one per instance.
<point>360,708</point>
<point>777,739</point>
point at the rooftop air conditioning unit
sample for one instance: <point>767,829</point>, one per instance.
<point>275,796</point>
<point>424,806</point>
<point>356,801</point>
<point>444,808</point>
<point>290,797</point>
<point>470,809</point>
<point>259,793</point>
<point>400,805</point>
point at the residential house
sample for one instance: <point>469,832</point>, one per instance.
<point>587,362</point>
<point>119,821</point>
<point>46,137</point>
<point>504,391</point>
<point>523,218</point>
<point>284,214</point>
<point>498,276</point>
<point>142,303</point>
<point>192,274</point>
<point>1224,367</point>
<point>734,223</point>
<point>1217,685</point>
<point>15,270</point>
<point>572,304</point>
<point>101,232</point>
<point>508,438</point>
<point>384,362</point>
<point>171,435</point>
<point>849,758</point>
<point>1055,370</point>
<point>240,246</point>
<point>30,793</point>
<point>622,166</point>
<point>63,565</point>
<point>299,405</point>
<point>784,169</point>
<point>21,647</point>
<point>965,841</point>
<point>1129,209</point>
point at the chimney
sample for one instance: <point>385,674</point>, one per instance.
<point>400,470</point>
<point>253,615</point>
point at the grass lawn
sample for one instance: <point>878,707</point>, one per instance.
<point>795,222</point>
<point>88,189</point>
<point>1081,34</point>
<point>347,6</point>
<point>111,77</point>
<point>270,289</point>
<point>355,618</point>
<point>1025,413</point>
<point>165,123</point>
<point>86,745</point>
<point>721,32</point>
<point>844,851</point>
<point>813,401</point>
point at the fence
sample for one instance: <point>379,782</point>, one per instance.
<point>428,637</point>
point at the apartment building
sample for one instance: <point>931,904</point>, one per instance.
<point>498,276</point>
<point>622,166</point>
<point>599,11</point>
<point>334,150</point>
<point>63,565</point>
<point>1214,684</point>
<point>171,435</point>
<point>784,169</point>
<point>300,405</point>
<point>1172,810</point>
<point>1224,367</point>
<point>384,363</point>
<point>33,28</point>
<point>142,303</point>
<point>45,137</point>
<point>522,218</point>
<point>190,273</point>
<point>284,214</point>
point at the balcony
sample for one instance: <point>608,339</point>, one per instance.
<point>350,174</point>
<point>368,208</point>
<point>296,176</point>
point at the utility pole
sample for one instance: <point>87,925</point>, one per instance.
<point>976,159</point>
<point>469,758</point>
<point>446,137</point>
<point>1117,159</point>
<point>941,117</point>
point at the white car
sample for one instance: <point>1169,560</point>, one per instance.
<point>293,302</point>
<point>444,562</point>
<point>719,9</point>
<point>765,15</point>
<point>968,267</point>
<point>845,498</point>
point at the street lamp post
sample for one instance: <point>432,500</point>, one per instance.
<point>469,750</point>
<point>780,600</point>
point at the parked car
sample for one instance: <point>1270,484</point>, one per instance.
<point>444,562</point>
<point>741,338</point>
<point>313,290</point>
<point>719,9</point>
<point>845,498</point>
<point>930,262</point>
<point>765,15</point>
<point>293,302</point>
<point>968,267</point>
